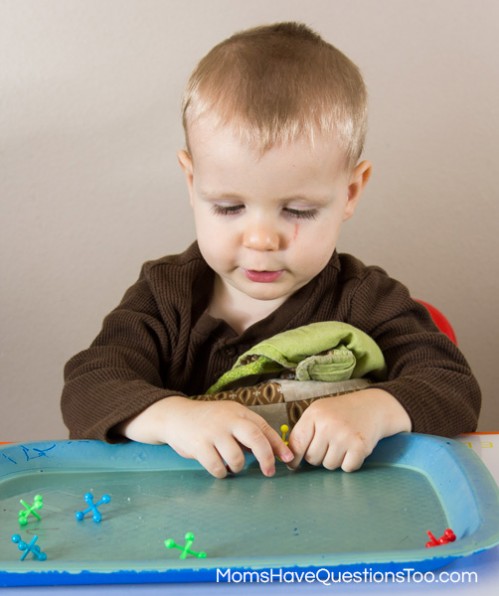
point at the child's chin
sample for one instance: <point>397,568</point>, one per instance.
<point>267,292</point>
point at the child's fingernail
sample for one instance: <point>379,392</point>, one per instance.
<point>287,457</point>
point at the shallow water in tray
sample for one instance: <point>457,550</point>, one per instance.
<point>313,511</point>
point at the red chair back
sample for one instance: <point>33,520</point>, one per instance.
<point>440,320</point>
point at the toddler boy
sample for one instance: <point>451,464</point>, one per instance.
<point>275,120</point>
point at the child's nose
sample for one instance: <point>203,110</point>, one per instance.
<point>261,236</point>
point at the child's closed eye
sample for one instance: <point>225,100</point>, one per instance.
<point>287,211</point>
<point>227,209</point>
<point>301,213</point>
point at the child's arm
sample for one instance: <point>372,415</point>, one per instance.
<point>214,433</point>
<point>426,373</point>
<point>342,431</point>
<point>127,385</point>
<point>429,386</point>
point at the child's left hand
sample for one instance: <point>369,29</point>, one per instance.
<point>342,431</point>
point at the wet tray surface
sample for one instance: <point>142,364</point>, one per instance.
<point>374,519</point>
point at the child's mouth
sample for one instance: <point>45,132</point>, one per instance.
<point>262,276</point>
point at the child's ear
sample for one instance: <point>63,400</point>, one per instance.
<point>185,162</point>
<point>358,180</point>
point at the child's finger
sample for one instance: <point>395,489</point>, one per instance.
<point>316,451</point>
<point>352,461</point>
<point>232,454</point>
<point>263,441</point>
<point>253,437</point>
<point>211,460</point>
<point>354,458</point>
<point>334,457</point>
<point>279,447</point>
<point>299,440</point>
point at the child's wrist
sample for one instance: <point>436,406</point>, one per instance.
<point>394,416</point>
<point>150,426</point>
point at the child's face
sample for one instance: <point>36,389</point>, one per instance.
<point>267,224</point>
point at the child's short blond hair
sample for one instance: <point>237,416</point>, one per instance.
<point>274,84</point>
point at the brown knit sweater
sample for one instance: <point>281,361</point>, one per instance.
<point>159,342</point>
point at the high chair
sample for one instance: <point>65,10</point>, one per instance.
<point>440,320</point>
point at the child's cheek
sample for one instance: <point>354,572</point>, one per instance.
<point>296,230</point>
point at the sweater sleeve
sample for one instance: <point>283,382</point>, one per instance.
<point>122,372</point>
<point>427,373</point>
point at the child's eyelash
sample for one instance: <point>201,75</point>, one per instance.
<point>302,213</point>
<point>236,209</point>
<point>226,210</point>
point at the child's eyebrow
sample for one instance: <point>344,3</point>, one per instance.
<point>317,200</point>
<point>213,195</point>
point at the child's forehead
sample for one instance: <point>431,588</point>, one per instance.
<point>209,136</point>
<point>225,165</point>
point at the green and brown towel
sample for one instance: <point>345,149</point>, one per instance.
<point>281,376</point>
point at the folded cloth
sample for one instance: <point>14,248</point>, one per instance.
<point>325,351</point>
<point>282,401</point>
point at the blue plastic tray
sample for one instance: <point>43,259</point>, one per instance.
<point>371,520</point>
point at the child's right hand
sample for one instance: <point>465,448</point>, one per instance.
<point>213,432</point>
